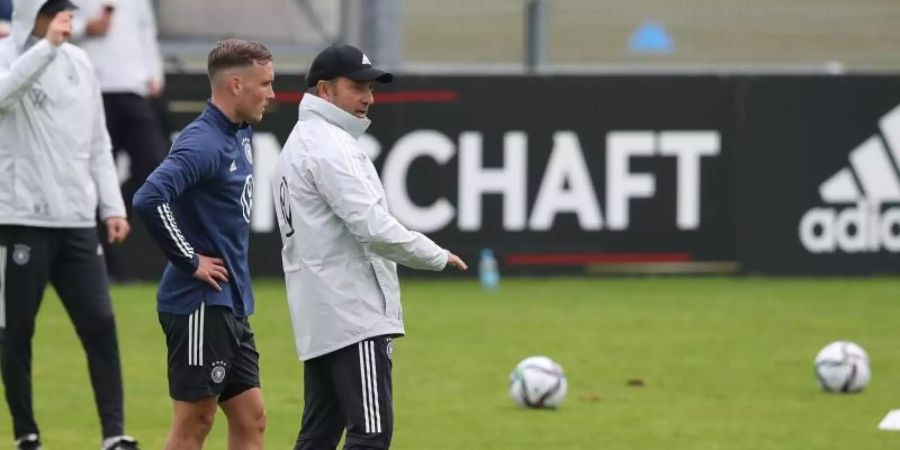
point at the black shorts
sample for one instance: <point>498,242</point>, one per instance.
<point>211,353</point>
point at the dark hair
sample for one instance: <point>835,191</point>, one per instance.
<point>53,7</point>
<point>232,53</point>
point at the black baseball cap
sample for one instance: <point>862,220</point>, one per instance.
<point>344,61</point>
<point>53,7</point>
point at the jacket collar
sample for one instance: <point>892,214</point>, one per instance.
<point>312,105</point>
<point>215,116</point>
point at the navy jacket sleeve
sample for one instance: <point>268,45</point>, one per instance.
<point>185,166</point>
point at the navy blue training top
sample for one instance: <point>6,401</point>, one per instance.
<point>198,201</point>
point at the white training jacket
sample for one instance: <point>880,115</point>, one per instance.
<point>341,244</point>
<point>128,56</point>
<point>56,160</point>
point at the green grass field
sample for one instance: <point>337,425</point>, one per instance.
<point>727,364</point>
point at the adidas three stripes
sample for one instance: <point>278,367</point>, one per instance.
<point>349,389</point>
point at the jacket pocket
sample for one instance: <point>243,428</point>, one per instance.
<point>390,289</point>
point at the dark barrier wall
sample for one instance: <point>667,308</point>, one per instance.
<point>817,175</point>
<point>612,174</point>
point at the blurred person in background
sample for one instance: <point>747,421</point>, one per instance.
<point>5,17</point>
<point>56,168</point>
<point>120,38</point>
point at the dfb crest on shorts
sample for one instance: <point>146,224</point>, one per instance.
<point>248,149</point>
<point>389,349</point>
<point>217,374</point>
<point>21,254</point>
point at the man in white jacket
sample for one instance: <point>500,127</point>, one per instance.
<point>55,168</point>
<point>120,39</point>
<point>340,255</point>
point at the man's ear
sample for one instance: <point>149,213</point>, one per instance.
<point>322,90</point>
<point>234,84</point>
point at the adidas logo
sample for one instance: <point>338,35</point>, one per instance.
<point>366,61</point>
<point>857,223</point>
<point>233,167</point>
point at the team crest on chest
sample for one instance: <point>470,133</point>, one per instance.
<point>38,96</point>
<point>248,149</point>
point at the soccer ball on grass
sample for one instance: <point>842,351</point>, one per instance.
<point>538,382</point>
<point>843,366</point>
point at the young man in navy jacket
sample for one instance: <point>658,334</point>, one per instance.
<point>197,206</point>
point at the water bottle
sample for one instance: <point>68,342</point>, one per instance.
<point>488,273</point>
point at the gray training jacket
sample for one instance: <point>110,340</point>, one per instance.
<point>56,162</point>
<point>341,244</point>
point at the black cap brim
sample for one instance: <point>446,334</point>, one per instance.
<point>371,74</point>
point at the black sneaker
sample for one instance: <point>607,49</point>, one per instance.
<point>123,443</point>
<point>29,442</point>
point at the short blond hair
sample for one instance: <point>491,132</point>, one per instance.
<point>232,53</point>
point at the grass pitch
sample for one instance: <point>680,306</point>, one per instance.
<point>726,364</point>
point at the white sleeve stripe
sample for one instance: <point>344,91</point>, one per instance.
<point>165,221</point>
<point>175,228</point>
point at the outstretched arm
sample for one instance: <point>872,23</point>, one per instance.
<point>342,184</point>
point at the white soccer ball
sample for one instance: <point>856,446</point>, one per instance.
<point>538,382</point>
<point>843,366</point>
